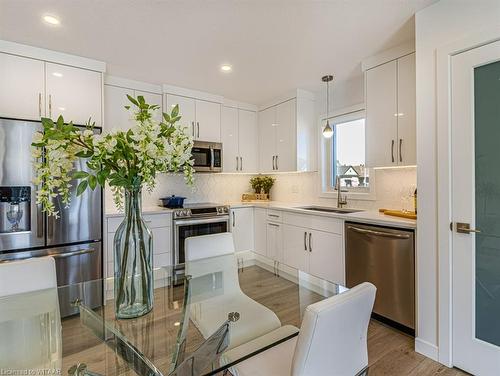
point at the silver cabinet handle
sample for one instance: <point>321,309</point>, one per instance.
<point>40,104</point>
<point>274,157</point>
<point>305,240</point>
<point>273,224</point>
<point>234,220</point>
<point>277,166</point>
<point>241,163</point>
<point>236,163</point>
<point>74,253</point>
<point>392,151</point>
<point>379,233</point>
<point>273,215</point>
<point>50,105</point>
<point>39,221</point>
<point>198,129</point>
<point>400,150</point>
<point>192,128</point>
<point>310,243</point>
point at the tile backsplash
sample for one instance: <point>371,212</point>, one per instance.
<point>393,188</point>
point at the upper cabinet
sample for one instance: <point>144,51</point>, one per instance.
<point>390,113</point>
<point>239,139</point>
<point>202,118</point>
<point>22,92</point>
<point>116,89</point>
<point>287,135</point>
<point>33,88</point>
<point>73,93</point>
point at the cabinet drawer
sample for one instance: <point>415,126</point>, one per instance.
<point>333,225</point>
<point>162,239</point>
<point>152,220</point>
<point>274,215</point>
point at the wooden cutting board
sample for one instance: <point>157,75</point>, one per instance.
<point>399,213</point>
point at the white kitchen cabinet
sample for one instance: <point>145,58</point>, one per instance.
<point>326,256</point>
<point>186,110</point>
<point>115,114</point>
<point>242,220</point>
<point>295,246</point>
<point>152,98</point>
<point>287,135</point>
<point>390,113</point>
<point>208,117</point>
<point>22,88</point>
<point>260,229</point>
<point>74,93</point>
<point>239,139</point>
<point>274,241</point>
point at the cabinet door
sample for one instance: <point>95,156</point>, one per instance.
<point>295,247</point>
<point>248,141</point>
<point>22,93</point>
<point>74,93</point>
<point>242,229</point>
<point>274,241</point>
<point>152,98</point>
<point>267,139</point>
<point>115,114</point>
<point>229,138</point>
<point>208,121</point>
<point>407,154</point>
<point>326,256</point>
<point>286,136</point>
<point>260,221</point>
<point>381,115</point>
<point>186,110</point>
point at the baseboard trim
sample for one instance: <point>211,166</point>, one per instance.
<point>427,349</point>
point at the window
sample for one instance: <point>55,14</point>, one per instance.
<point>343,157</point>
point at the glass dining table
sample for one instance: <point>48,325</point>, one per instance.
<point>221,312</point>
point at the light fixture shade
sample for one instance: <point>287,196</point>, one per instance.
<point>327,130</point>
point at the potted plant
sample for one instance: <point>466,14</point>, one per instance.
<point>262,184</point>
<point>127,161</point>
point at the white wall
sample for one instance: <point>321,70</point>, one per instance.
<point>437,25</point>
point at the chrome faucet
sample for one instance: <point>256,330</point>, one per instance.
<point>341,201</point>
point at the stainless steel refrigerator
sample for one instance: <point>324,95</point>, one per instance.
<point>74,239</point>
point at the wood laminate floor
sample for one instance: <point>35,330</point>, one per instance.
<point>390,352</point>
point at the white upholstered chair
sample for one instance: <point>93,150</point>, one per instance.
<point>332,340</point>
<point>210,300</point>
<point>30,323</point>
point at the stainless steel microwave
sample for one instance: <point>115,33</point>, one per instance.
<point>207,156</point>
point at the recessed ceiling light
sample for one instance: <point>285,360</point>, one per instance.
<point>51,20</point>
<point>57,74</point>
<point>226,68</point>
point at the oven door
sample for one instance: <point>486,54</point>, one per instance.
<point>186,228</point>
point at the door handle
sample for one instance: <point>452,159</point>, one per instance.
<point>379,233</point>
<point>198,129</point>
<point>305,241</point>
<point>74,253</point>
<point>392,151</point>
<point>39,221</point>
<point>241,163</point>
<point>277,166</point>
<point>310,243</point>
<point>274,157</point>
<point>40,104</point>
<point>192,128</point>
<point>236,163</point>
<point>464,228</point>
<point>212,156</point>
<point>234,220</point>
<point>50,106</point>
<point>400,152</point>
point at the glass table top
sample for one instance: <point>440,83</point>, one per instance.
<point>220,313</point>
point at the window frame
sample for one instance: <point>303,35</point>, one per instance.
<point>326,159</point>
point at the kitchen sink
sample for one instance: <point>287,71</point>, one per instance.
<point>330,210</point>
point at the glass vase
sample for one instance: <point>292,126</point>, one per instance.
<point>133,247</point>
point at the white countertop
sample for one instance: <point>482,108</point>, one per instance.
<point>365,216</point>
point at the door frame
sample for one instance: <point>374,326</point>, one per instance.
<point>443,178</point>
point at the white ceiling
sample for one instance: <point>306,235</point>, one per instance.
<point>273,45</point>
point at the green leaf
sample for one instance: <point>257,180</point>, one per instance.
<point>127,107</point>
<point>81,187</point>
<point>92,181</point>
<point>80,174</point>
<point>131,99</point>
<point>60,122</point>
<point>175,111</point>
<point>141,99</point>
<point>101,177</point>
<point>166,117</point>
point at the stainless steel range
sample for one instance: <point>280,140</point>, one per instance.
<point>73,239</point>
<point>195,220</point>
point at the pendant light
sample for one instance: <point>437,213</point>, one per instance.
<point>327,130</point>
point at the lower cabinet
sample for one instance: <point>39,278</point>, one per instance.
<point>260,231</point>
<point>295,243</point>
<point>161,228</point>
<point>242,220</point>
<point>274,244</point>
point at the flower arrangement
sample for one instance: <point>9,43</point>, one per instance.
<point>262,183</point>
<point>123,159</point>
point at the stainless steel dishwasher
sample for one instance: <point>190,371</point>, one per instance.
<point>385,257</point>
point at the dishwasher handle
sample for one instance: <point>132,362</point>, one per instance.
<point>379,233</point>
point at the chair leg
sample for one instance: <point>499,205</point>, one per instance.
<point>363,372</point>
